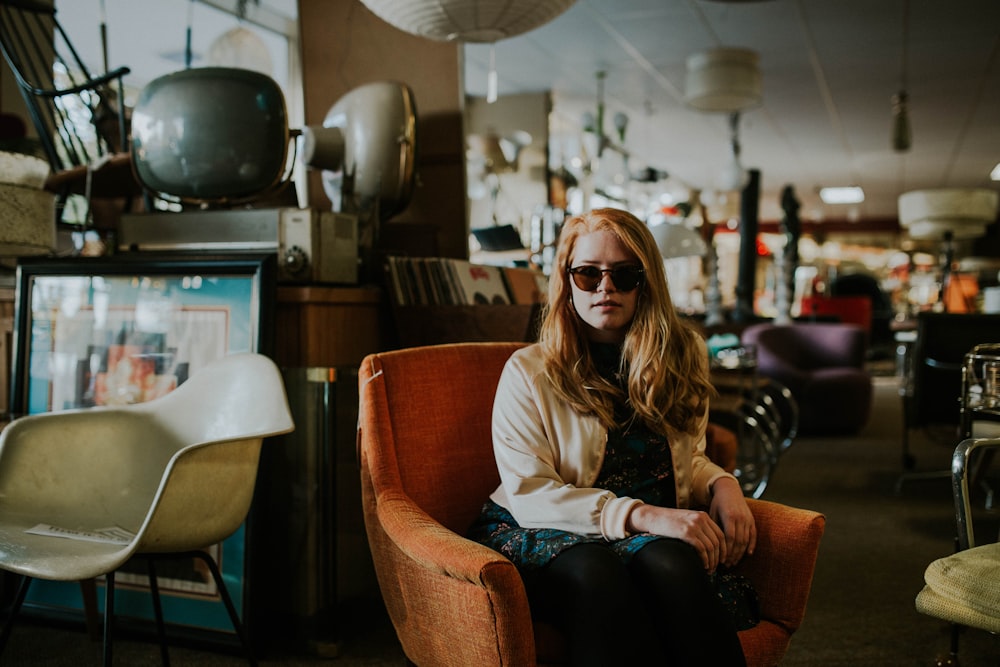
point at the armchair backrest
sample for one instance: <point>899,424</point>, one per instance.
<point>179,471</point>
<point>426,426</point>
<point>808,346</point>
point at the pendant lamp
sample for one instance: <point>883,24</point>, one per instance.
<point>481,21</point>
<point>723,80</point>
<point>962,213</point>
<point>675,239</point>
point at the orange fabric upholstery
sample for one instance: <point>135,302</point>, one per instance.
<point>427,466</point>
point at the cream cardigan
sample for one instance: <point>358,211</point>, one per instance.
<point>549,456</point>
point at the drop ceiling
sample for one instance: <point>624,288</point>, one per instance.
<point>829,70</point>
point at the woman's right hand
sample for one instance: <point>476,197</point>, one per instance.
<point>691,526</point>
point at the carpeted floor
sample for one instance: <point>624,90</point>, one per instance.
<point>877,545</point>
<point>861,612</point>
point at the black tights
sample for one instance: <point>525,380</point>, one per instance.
<point>660,609</point>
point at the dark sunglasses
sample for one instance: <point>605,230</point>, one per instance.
<point>626,278</point>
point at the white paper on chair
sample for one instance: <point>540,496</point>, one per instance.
<point>113,535</point>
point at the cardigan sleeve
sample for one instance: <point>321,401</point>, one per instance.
<point>542,484</point>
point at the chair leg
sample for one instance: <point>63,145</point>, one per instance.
<point>88,591</point>
<point>230,607</point>
<point>109,616</point>
<point>15,607</point>
<point>161,632</point>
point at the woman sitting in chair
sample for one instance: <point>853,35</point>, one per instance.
<point>619,524</point>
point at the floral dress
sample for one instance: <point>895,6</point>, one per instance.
<point>637,464</point>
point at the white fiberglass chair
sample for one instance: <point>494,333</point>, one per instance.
<point>174,475</point>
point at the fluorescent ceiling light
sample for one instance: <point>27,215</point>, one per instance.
<point>995,174</point>
<point>842,195</point>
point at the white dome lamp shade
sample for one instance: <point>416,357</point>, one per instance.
<point>241,48</point>
<point>478,21</point>
<point>723,80</point>
<point>675,239</point>
<point>366,149</point>
<point>961,213</point>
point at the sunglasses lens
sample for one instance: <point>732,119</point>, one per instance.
<point>588,278</point>
<point>626,278</point>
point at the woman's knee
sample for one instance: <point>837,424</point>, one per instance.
<point>584,576</point>
<point>671,564</point>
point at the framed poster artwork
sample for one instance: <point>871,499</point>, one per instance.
<point>126,329</point>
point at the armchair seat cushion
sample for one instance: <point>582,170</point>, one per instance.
<point>963,587</point>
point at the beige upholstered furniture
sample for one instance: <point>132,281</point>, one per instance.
<point>964,588</point>
<point>173,475</point>
<point>427,466</point>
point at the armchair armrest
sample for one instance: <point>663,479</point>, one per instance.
<point>447,595</point>
<point>782,566</point>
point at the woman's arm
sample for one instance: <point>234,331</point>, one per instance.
<point>730,510</point>
<point>545,453</point>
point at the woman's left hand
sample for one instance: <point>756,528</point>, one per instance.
<point>730,510</point>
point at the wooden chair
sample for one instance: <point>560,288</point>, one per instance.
<point>79,117</point>
<point>427,466</point>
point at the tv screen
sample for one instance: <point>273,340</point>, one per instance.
<point>211,134</point>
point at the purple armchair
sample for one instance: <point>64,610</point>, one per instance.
<point>823,365</point>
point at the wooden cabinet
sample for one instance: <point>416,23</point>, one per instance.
<point>328,326</point>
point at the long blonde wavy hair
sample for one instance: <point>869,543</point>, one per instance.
<point>668,383</point>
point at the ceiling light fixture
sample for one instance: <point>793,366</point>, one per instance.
<point>479,21</point>
<point>901,134</point>
<point>995,174</point>
<point>948,215</point>
<point>734,176</point>
<point>850,194</point>
<point>961,213</point>
<point>724,79</point>
<point>595,124</point>
<point>676,239</point>
<point>475,21</point>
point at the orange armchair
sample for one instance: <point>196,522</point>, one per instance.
<point>427,466</point>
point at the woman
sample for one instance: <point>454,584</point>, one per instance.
<point>599,436</point>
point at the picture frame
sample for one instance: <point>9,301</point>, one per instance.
<point>125,329</point>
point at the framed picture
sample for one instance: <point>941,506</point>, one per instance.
<point>126,329</point>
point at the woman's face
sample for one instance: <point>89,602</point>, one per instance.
<point>607,311</point>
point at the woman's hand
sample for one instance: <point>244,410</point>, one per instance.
<point>691,526</point>
<point>729,508</point>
